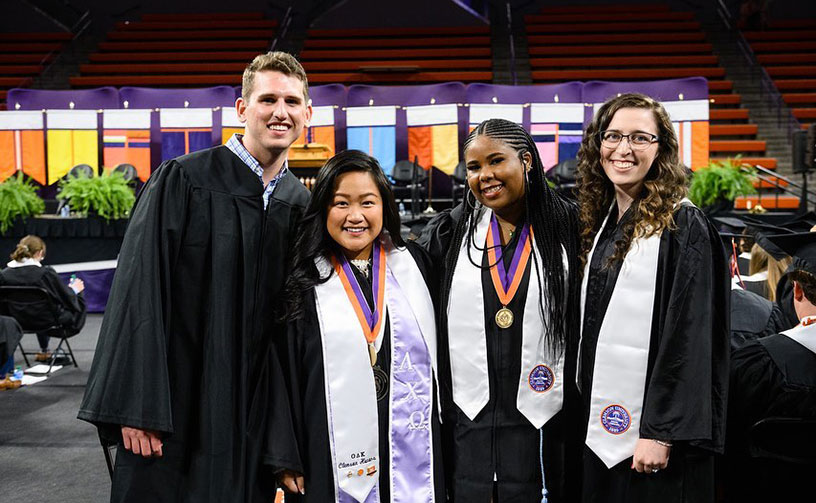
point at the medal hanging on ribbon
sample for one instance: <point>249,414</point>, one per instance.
<point>370,321</point>
<point>506,282</point>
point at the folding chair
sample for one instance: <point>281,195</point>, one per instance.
<point>36,310</point>
<point>109,450</point>
<point>409,177</point>
<point>458,182</point>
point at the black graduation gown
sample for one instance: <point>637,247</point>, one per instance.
<point>784,315</point>
<point>751,317</point>
<point>743,264</point>
<point>184,347</point>
<point>305,379</point>
<point>72,306</point>
<point>500,443</point>
<point>774,376</point>
<point>687,375</point>
<point>10,335</point>
<point>758,287</point>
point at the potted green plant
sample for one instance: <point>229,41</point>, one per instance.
<point>714,187</point>
<point>18,199</point>
<point>108,195</point>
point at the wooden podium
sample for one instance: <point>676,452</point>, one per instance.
<point>308,156</point>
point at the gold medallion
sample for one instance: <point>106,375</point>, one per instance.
<point>372,352</point>
<point>504,318</point>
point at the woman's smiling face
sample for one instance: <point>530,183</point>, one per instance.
<point>626,167</point>
<point>495,174</point>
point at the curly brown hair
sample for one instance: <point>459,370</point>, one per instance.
<point>663,187</point>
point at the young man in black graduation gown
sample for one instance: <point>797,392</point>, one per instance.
<point>182,370</point>
<point>775,377</point>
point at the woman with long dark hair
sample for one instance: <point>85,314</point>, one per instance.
<point>653,366</point>
<point>360,348</point>
<point>507,313</point>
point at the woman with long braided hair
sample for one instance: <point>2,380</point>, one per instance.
<point>653,366</point>
<point>508,311</point>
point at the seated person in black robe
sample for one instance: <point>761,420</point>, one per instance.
<point>182,370</point>
<point>360,350</point>
<point>26,269</point>
<point>10,335</point>
<point>775,377</point>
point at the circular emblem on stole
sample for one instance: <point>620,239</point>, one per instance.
<point>615,419</point>
<point>380,382</point>
<point>541,378</point>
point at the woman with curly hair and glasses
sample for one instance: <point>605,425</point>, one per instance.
<point>653,355</point>
<point>508,312</point>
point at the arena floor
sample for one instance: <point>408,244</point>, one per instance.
<point>46,454</point>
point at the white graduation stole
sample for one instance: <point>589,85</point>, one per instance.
<point>622,354</point>
<point>540,392</point>
<point>351,402</point>
<point>804,333</point>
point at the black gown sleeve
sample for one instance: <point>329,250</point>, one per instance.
<point>754,380</point>
<point>129,380</point>
<point>73,304</point>
<point>437,234</point>
<point>286,432</point>
<point>687,381</point>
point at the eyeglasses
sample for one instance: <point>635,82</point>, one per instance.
<point>638,141</point>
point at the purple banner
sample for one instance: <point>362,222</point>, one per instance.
<point>335,95</point>
<point>41,99</point>
<point>692,88</point>
<point>97,287</point>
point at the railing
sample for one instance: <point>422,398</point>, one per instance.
<point>284,29</point>
<point>768,90</point>
<point>767,176</point>
<point>513,76</point>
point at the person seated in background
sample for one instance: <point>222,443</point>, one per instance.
<point>774,376</point>
<point>26,269</point>
<point>767,266</point>
<point>10,334</point>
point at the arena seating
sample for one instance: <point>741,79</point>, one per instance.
<point>178,50</point>
<point>398,56</point>
<point>787,50</point>
<point>23,56</point>
<point>647,42</point>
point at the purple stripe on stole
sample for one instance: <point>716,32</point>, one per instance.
<point>504,275</point>
<point>411,403</point>
<point>370,315</point>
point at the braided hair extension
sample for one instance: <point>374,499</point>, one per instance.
<point>554,224</point>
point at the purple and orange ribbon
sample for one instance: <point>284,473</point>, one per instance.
<point>370,321</point>
<point>506,282</point>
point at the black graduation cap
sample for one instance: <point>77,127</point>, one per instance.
<point>802,223</point>
<point>730,228</point>
<point>730,224</point>
<point>801,246</point>
<point>759,230</point>
<point>763,232</point>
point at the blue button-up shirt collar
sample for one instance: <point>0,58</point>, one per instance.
<point>237,147</point>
